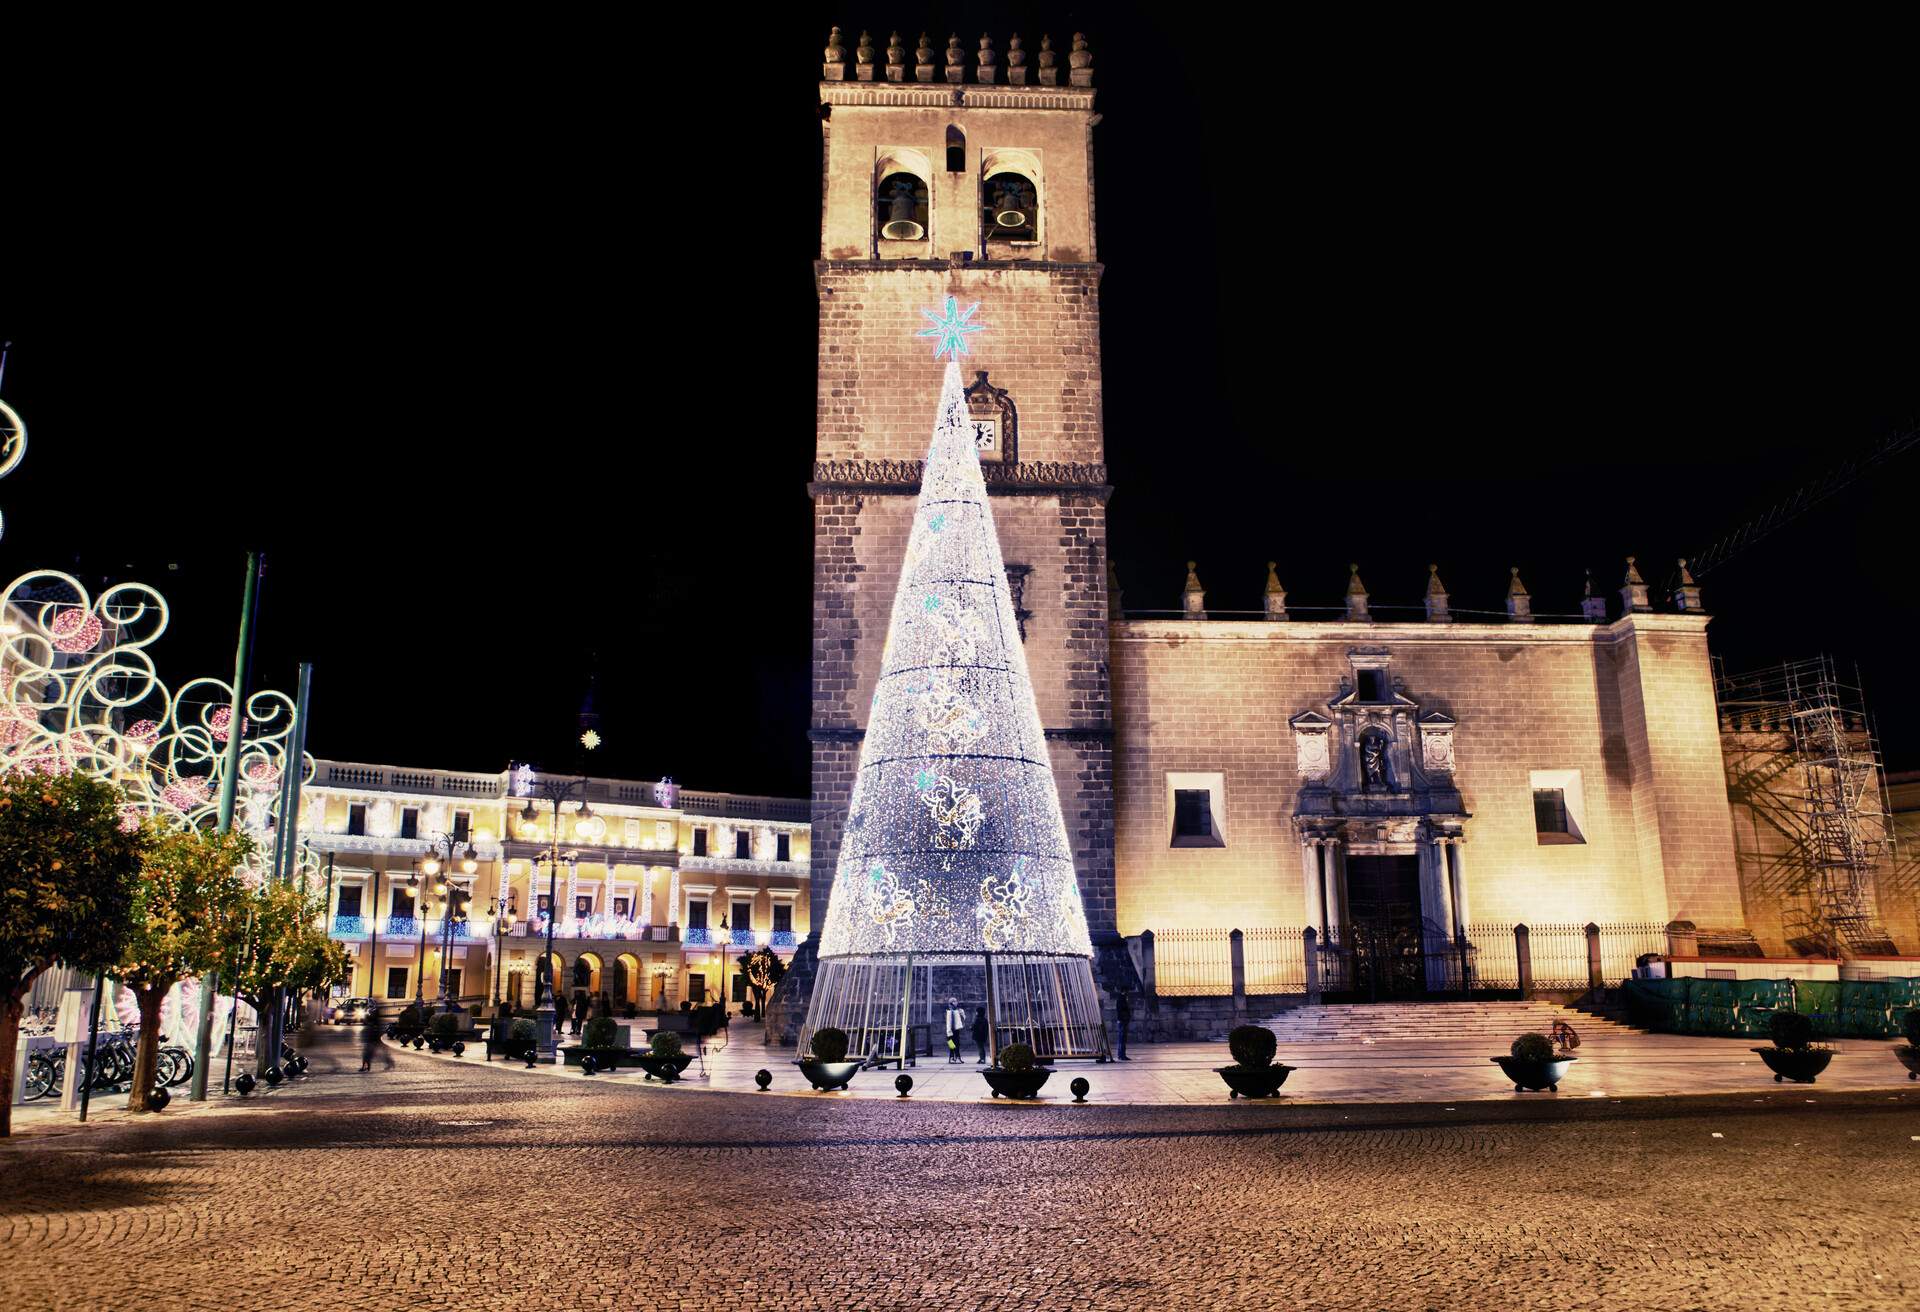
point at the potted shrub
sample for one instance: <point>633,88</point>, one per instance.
<point>521,1042</point>
<point>1016,1075</point>
<point>1910,1055</point>
<point>664,1060</point>
<point>1254,1073</point>
<point>442,1030</point>
<point>1794,1055</point>
<point>826,1065</point>
<point>1532,1063</point>
<point>596,1041</point>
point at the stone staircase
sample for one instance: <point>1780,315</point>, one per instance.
<point>1428,1022</point>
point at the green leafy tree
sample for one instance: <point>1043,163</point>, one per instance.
<point>287,948</point>
<point>67,874</point>
<point>764,971</point>
<point>189,917</point>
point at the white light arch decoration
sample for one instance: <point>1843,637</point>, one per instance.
<point>79,691</point>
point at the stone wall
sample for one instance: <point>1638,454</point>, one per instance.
<point>1217,696</point>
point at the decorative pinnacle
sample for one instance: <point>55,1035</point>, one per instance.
<point>951,328</point>
<point>1515,588</point>
<point>1354,585</point>
<point>1434,586</point>
<point>1273,577</point>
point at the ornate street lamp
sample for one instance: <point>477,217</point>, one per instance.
<point>449,913</point>
<point>557,793</point>
<point>503,921</point>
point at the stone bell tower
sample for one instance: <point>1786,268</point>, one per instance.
<point>965,173</point>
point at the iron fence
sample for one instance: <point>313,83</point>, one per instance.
<point>1275,960</point>
<point>1623,944</point>
<point>1192,963</point>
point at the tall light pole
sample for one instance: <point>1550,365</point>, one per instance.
<point>557,792</point>
<point>503,919</point>
<point>436,870</point>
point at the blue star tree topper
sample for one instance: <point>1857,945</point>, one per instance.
<point>952,328</point>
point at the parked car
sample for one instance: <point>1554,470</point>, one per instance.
<point>349,1011</point>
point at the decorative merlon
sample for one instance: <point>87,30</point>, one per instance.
<point>1356,594</point>
<point>1686,595</point>
<point>1592,607</point>
<point>1437,611</point>
<point>1193,597</point>
<point>987,63</point>
<point>1275,596</point>
<point>1633,590</point>
<point>1519,602</point>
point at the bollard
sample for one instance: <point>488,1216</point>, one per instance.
<point>1523,956</point>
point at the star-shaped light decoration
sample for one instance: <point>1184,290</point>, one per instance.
<point>590,739</point>
<point>951,328</point>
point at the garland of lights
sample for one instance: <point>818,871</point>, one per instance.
<point>954,840</point>
<point>79,691</point>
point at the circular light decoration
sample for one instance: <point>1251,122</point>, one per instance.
<point>143,734</point>
<point>75,630</point>
<point>590,739</point>
<point>186,793</point>
<point>262,773</point>
<point>666,792</point>
<point>220,723</point>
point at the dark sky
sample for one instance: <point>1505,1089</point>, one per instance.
<point>501,343</point>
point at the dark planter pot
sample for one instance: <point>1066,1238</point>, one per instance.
<point>1800,1065</point>
<point>1254,1081</point>
<point>826,1075</point>
<point>1016,1084</point>
<point>1536,1075</point>
<point>666,1069</point>
<point>1910,1058</point>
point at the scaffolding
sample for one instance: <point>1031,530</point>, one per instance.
<point>1819,782</point>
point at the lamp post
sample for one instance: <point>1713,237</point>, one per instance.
<point>557,792</point>
<point>437,870</point>
<point>503,920</point>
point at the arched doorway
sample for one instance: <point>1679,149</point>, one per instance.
<point>585,975</point>
<point>626,980</point>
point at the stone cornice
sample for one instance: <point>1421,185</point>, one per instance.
<point>946,95</point>
<point>821,268</point>
<point>1028,477</point>
<point>1336,630</point>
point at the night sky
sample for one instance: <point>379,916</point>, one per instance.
<point>501,344</point>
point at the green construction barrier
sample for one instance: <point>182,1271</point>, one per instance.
<point>1819,999</point>
<point>1863,1010</point>
<point>1902,996</point>
<point>1658,1004</point>
<point>1710,1006</point>
<point>1755,1002</point>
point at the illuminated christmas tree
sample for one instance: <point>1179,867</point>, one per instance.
<point>955,878</point>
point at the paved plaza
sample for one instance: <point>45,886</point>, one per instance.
<point>462,1185</point>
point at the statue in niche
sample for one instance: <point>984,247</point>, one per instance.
<point>1373,763</point>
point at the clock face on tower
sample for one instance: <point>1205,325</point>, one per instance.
<point>986,436</point>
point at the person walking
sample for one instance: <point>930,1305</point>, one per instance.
<point>579,1010</point>
<point>370,1042</point>
<point>980,1034</point>
<point>1123,1009</point>
<point>956,1028</point>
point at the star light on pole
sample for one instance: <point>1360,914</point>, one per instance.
<point>951,328</point>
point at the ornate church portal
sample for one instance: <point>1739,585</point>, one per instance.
<point>1381,829</point>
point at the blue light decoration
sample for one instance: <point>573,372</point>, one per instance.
<point>951,328</point>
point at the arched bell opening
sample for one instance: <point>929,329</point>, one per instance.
<point>900,207</point>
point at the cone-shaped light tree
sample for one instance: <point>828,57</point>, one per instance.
<point>955,878</point>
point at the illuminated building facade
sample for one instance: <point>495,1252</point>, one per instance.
<point>658,893</point>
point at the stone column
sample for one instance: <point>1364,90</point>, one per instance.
<point>1436,904</point>
<point>1457,858</point>
<point>1333,865</point>
<point>1316,902</point>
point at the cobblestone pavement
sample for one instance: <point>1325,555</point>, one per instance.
<point>444,1185</point>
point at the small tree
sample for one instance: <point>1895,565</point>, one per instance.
<point>287,949</point>
<point>189,917</point>
<point>764,971</point>
<point>67,874</point>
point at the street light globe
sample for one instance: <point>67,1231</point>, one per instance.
<point>431,865</point>
<point>528,814</point>
<point>585,812</point>
<point>469,860</point>
<point>440,885</point>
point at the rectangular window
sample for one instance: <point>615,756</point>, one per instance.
<point>1549,811</point>
<point>699,842</point>
<point>783,918</point>
<point>697,989</point>
<point>783,847</point>
<point>357,818</point>
<point>349,900</point>
<point>742,916</point>
<point>410,822</point>
<point>1372,685</point>
<point>696,914</point>
<point>396,981</point>
<point>542,905</point>
<point>1192,813</point>
<point>401,902</point>
<point>453,982</point>
<point>1559,807</point>
<point>739,986</point>
<point>742,845</point>
<point>582,905</point>
<point>620,907</point>
<point>462,826</point>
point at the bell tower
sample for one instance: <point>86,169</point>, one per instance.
<point>964,173</point>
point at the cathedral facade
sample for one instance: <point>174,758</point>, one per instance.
<point>1438,781</point>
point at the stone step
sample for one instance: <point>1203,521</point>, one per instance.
<point>1391,1022</point>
